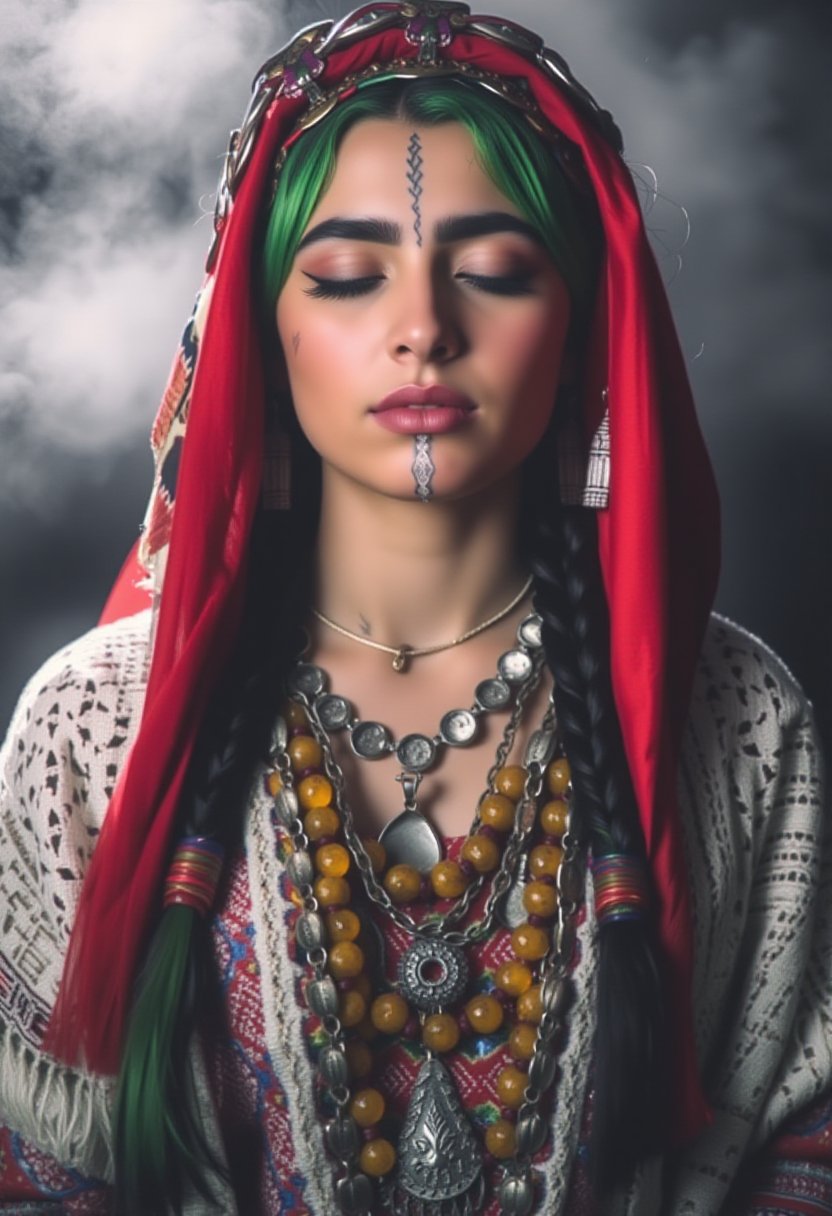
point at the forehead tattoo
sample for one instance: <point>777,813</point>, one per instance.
<point>414,182</point>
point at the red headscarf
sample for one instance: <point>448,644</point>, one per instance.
<point>658,537</point>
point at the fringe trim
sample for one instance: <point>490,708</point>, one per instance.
<point>61,1111</point>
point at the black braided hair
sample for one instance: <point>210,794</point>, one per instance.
<point>630,1060</point>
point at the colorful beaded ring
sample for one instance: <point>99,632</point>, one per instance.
<point>193,875</point>
<point>620,884</point>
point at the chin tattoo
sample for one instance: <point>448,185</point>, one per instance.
<point>423,467</point>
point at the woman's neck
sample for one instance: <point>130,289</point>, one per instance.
<point>415,573</point>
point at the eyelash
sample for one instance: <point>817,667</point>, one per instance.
<point>350,289</point>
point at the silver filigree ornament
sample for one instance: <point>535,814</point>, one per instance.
<point>432,974</point>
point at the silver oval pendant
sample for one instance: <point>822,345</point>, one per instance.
<point>410,840</point>
<point>432,974</point>
<point>370,740</point>
<point>306,679</point>
<point>458,727</point>
<point>529,632</point>
<point>515,666</point>
<point>334,712</point>
<point>416,753</point>
<point>439,1157</point>
<point>493,693</point>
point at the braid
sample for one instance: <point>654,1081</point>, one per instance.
<point>160,1148</point>
<point>629,1103</point>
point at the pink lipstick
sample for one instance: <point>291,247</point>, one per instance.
<point>417,410</point>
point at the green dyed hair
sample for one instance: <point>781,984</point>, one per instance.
<point>518,160</point>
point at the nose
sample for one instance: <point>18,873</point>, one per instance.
<point>424,326</point>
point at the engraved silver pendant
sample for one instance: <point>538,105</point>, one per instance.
<point>432,974</point>
<point>440,1162</point>
<point>410,840</point>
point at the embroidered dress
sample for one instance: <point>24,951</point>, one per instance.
<point>763,955</point>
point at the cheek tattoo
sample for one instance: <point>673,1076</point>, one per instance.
<point>414,182</point>
<point>295,342</point>
<point>423,467</point>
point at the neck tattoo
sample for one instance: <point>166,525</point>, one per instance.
<point>423,467</point>
<point>414,182</point>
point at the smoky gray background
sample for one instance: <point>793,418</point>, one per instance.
<point>113,121</point>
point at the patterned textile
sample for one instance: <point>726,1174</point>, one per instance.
<point>763,958</point>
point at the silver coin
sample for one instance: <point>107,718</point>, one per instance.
<point>416,753</point>
<point>370,740</point>
<point>334,712</point>
<point>493,693</point>
<point>432,974</point>
<point>529,631</point>
<point>458,727</point>
<point>514,666</point>
<point>306,679</point>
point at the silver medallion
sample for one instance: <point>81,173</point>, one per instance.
<point>432,974</point>
<point>458,727</point>
<point>416,753</point>
<point>334,712</point>
<point>370,740</point>
<point>440,1160</point>
<point>493,693</point>
<point>306,679</point>
<point>410,840</point>
<point>529,632</point>
<point>514,666</point>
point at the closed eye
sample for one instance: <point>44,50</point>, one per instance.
<point>500,285</point>
<point>341,289</point>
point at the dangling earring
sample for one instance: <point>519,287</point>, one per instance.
<point>584,475</point>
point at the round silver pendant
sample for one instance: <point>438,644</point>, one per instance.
<point>416,753</point>
<point>458,727</point>
<point>515,666</point>
<point>432,974</point>
<point>306,679</point>
<point>370,740</point>
<point>334,712</point>
<point>493,693</point>
<point>529,631</point>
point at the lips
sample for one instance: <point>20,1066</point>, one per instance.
<point>417,410</point>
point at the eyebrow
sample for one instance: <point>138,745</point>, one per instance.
<point>454,228</point>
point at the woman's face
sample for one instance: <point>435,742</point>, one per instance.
<point>416,273</point>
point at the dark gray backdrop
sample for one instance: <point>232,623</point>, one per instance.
<point>113,119</point>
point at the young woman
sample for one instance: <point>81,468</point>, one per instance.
<point>424,848</point>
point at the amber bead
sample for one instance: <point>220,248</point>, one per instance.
<point>377,1158</point>
<point>367,1107</point>
<point>342,925</point>
<point>314,791</point>
<point>331,892</point>
<point>544,861</point>
<point>540,899</point>
<point>351,1008</point>
<point>530,1006</point>
<point>359,1059</point>
<point>500,1139</point>
<point>389,1013</point>
<point>510,781</point>
<point>553,817</point>
<point>514,978</point>
<point>440,1032</point>
<point>521,1041</point>
<point>511,1085</point>
<point>366,1030</point>
<point>558,776</point>
<point>346,960</point>
<point>296,715</point>
<point>530,942</point>
<point>484,1013</point>
<point>321,821</point>
<point>304,752</point>
<point>497,812</point>
<point>482,852</point>
<point>447,879</point>
<point>275,783</point>
<point>402,883</point>
<point>333,860</point>
<point>376,853</point>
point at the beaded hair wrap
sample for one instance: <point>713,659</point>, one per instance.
<point>657,538</point>
<point>620,888</point>
<point>194,874</point>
